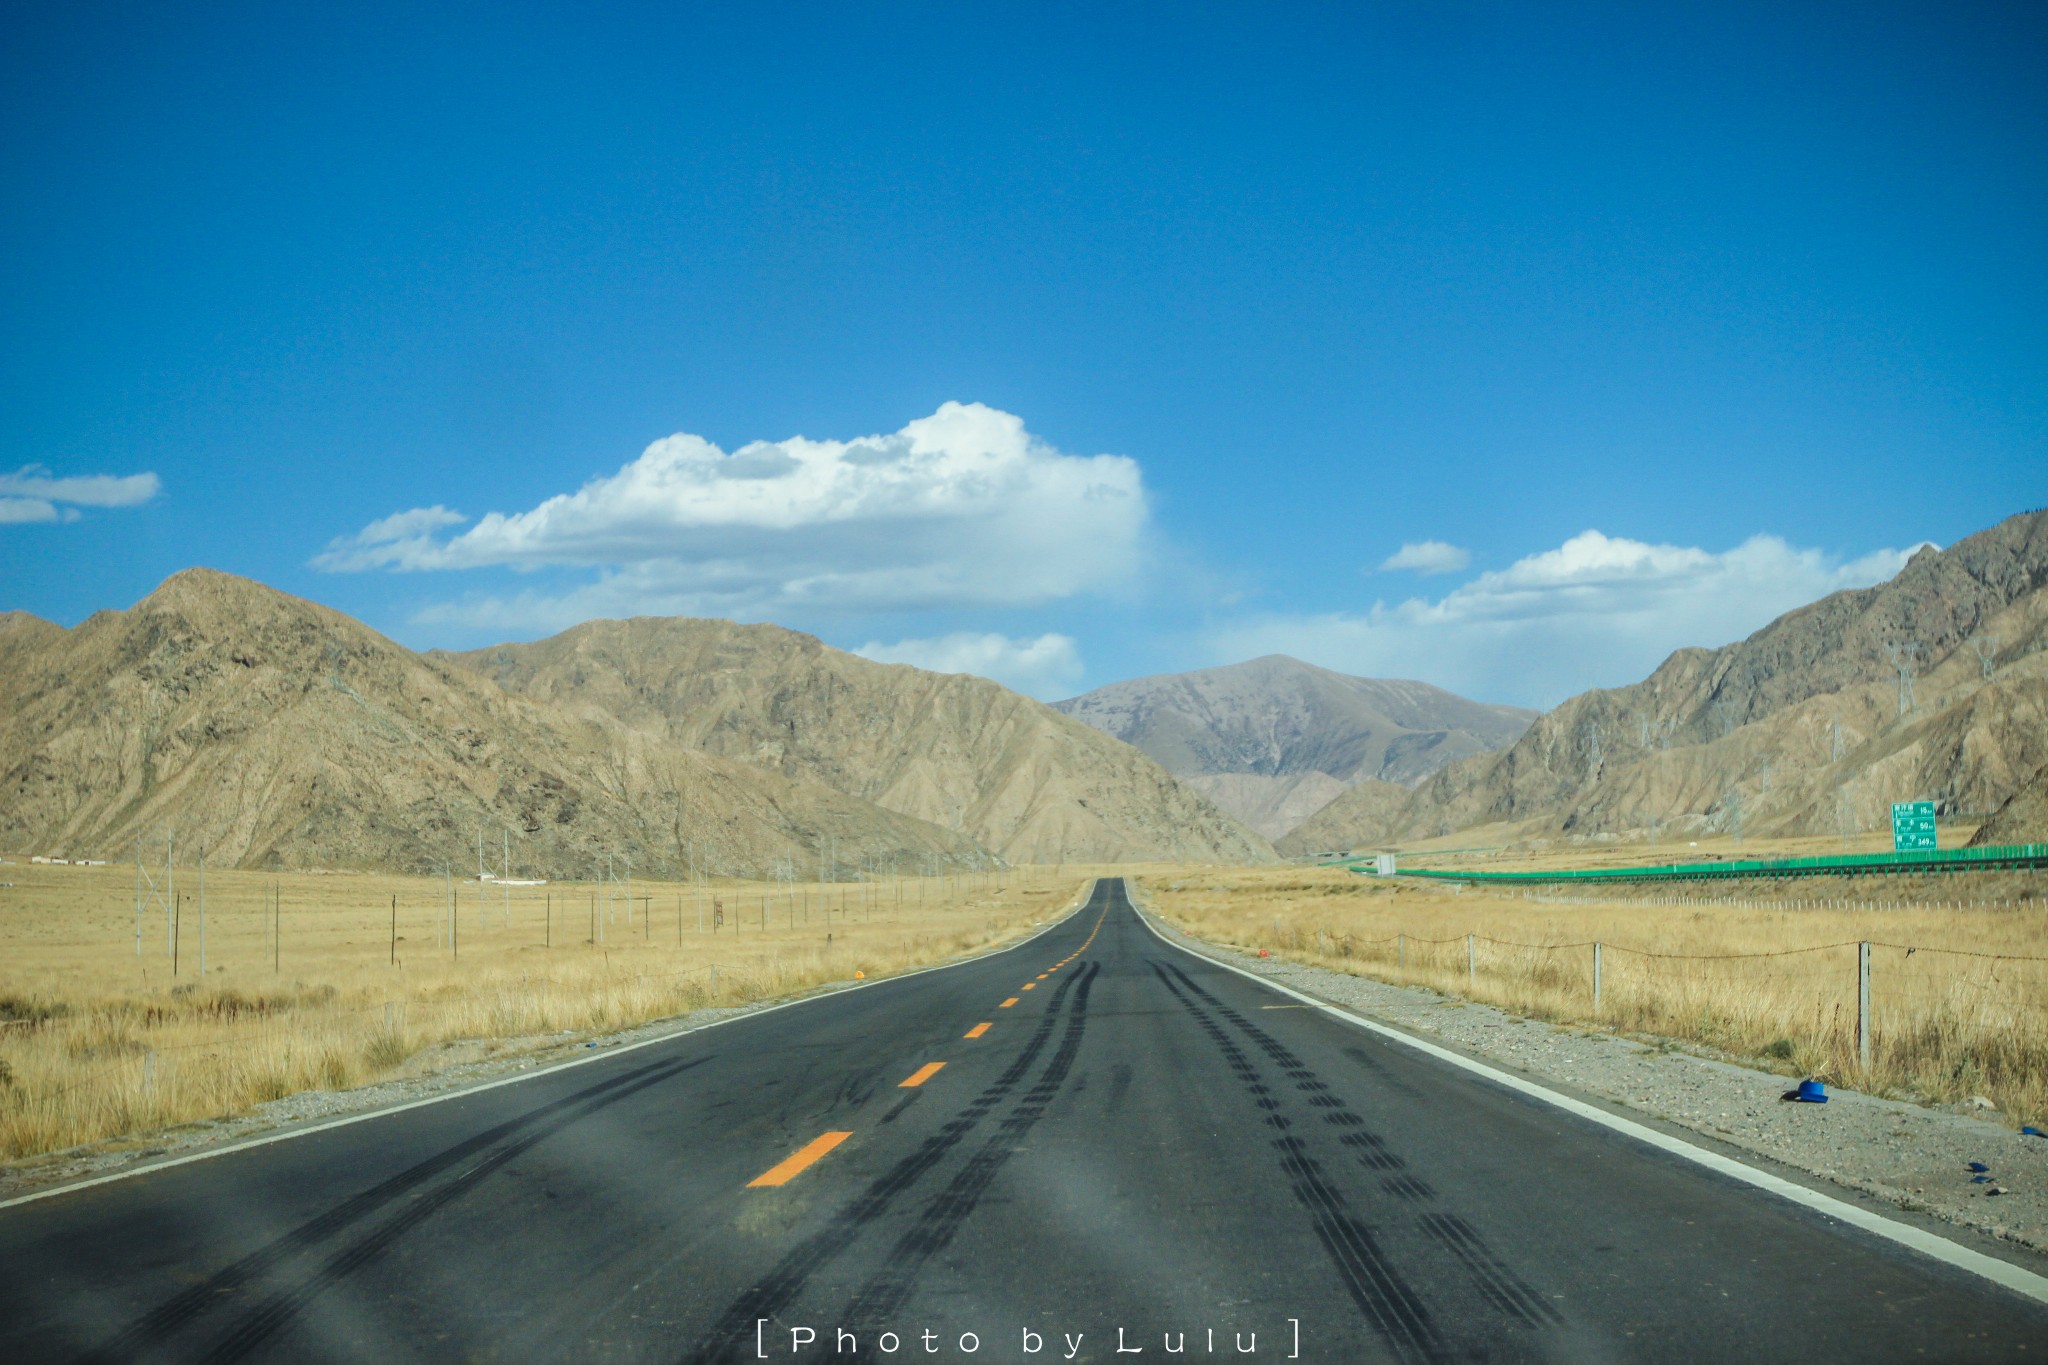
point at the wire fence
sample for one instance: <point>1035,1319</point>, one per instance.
<point>79,1065</point>
<point>1939,1021</point>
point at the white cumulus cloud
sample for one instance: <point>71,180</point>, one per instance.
<point>1428,557</point>
<point>961,508</point>
<point>33,494</point>
<point>1596,611</point>
<point>1046,667</point>
<point>22,511</point>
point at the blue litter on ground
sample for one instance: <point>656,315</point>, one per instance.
<point>2027,1130</point>
<point>1979,1166</point>
<point>1809,1092</point>
<point>1980,1179</point>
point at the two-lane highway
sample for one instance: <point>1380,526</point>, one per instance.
<point>1091,1147</point>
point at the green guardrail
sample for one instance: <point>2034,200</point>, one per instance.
<point>2002,856</point>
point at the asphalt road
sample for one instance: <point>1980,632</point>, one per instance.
<point>1142,1143</point>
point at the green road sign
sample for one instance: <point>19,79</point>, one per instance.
<point>1912,826</point>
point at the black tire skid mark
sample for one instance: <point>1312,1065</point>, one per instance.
<point>1393,1309</point>
<point>1382,1073</point>
<point>1497,1282</point>
<point>885,1294</point>
<point>1407,1187</point>
<point>185,1308</point>
<point>1501,1286</point>
<point>265,1320</point>
<point>731,1336</point>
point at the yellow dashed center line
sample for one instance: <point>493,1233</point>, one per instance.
<point>787,1169</point>
<point>797,1162</point>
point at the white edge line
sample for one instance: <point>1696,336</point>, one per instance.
<point>549,1070</point>
<point>2024,1282</point>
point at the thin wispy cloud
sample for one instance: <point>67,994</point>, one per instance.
<point>1047,666</point>
<point>1596,611</point>
<point>964,508</point>
<point>33,494</point>
<point>1428,557</point>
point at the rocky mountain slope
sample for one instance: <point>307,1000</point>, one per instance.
<point>2023,819</point>
<point>959,751</point>
<point>1805,727</point>
<point>268,731</point>
<point>1273,740</point>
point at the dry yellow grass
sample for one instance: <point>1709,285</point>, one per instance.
<point>315,981</point>
<point>1959,964</point>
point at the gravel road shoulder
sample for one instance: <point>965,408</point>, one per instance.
<point>1910,1156</point>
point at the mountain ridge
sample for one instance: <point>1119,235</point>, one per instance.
<point>271,731</point>
<point>1803,727</point>
<point>957,750</point>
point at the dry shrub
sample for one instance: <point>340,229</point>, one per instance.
<point>1959,996</point>
<point>98,1041</point>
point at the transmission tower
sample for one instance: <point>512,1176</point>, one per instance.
<point>155,889</point>
<point>1986,649</point>
<point>1902,660</point>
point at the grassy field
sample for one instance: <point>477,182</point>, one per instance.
<point>1768,973</point>
<point>325,981</point>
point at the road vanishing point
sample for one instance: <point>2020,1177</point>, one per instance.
<point>1093,1146</point>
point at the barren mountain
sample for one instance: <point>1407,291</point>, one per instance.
<point>1268,805</point>
<point>1931,686</point>
<point>2023,819</point>
<point>1273,740</point>
<point>956,750</point>
<point>263,730</point>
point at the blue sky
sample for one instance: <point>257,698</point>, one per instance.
<point>1122,339</point>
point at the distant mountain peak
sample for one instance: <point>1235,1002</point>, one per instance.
<point>1267,724</point>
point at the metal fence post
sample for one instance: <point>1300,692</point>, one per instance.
<point>1471,960</point>
<point>1596,978</point>
<point>1863,1004</point>
<point>1401,948</point>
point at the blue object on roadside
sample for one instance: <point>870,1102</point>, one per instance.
<point>2027,1130</point>
<point>1980,1180</point>
<point>1979,1166</point>
<point>1812,1092</point>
